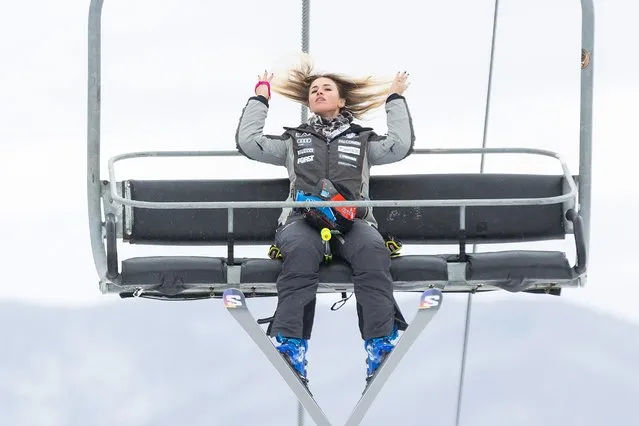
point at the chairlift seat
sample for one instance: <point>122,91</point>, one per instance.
<point>511,270</point>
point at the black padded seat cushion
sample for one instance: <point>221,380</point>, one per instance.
<point>257,270</point>
<point>419,268</point>
<point>412,225</point>
<point>403,268</point>
<point>515,268</point>
<point>172,271</point>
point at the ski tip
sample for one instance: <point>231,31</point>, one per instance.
<point>233,298</point>
<point>431,299</point>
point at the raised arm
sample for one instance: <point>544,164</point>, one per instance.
<point>398,143</point>
<point>249,137</point>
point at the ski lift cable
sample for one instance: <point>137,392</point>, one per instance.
<point>306,14</point>
<point>469,299</point>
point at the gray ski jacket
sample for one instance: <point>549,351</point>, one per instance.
<point>345,158</point>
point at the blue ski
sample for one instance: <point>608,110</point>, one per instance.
<point>235,303</point>
<point>429,305</point>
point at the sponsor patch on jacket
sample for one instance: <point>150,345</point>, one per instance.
<point>301,135</point>
<point>305,159</point>
<point>304,141</point>
<point>350,135</point>
<point>348,149</point>
<point>349,142</point>
<point>347,157</point>
<point>344,163</point>
<point>305,151</point>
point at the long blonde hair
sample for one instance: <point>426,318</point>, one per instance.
<point>362,94</point>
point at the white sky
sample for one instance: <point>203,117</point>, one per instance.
<point>176,75</point>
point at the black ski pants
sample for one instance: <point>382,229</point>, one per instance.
<point>303,250</point>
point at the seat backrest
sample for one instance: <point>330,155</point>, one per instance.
<point>418,225</point>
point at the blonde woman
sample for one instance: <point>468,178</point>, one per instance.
<point>330,149</point>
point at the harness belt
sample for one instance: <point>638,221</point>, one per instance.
<point>394,245</point>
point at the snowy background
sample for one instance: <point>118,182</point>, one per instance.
<point>532,361</point>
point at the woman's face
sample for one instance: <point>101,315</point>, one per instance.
<point>324,98</point>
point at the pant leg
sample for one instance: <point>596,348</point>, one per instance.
<point>303,250</point>
<point>364,249</point>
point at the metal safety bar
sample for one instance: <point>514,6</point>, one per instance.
<point>571,195</point>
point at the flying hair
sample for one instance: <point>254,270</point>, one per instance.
<point>362,95</point>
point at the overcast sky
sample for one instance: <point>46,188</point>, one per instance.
<point>176,75</point>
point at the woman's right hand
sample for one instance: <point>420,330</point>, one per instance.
<point>263,89</point>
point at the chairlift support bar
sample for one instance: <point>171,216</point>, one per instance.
<point>306,23</point>
<point>374,203</point>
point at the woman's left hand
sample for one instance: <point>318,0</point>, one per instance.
<point>400,83</point>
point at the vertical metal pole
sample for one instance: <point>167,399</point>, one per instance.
<point>306,13</point>
<point>300,414</point>
<point>585,121</point>
<point>94,184</point>
<point>462,371</point>
<point>481,170</point>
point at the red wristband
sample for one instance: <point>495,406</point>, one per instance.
<point>268,85</point>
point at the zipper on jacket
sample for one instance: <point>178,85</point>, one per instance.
<point>328,151</point>
<point>328,158</point>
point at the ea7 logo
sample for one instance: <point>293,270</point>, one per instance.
<point>232,301</point>
<point>429,301</point>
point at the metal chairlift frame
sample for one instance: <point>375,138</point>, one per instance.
<point>105,199</point>
<point>109,200</point>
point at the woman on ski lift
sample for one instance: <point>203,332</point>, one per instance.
<point>330,151</point>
